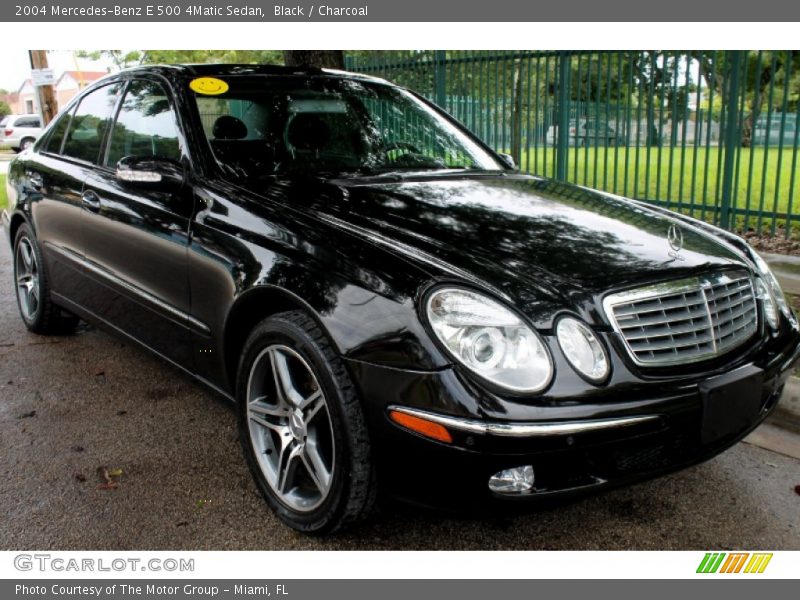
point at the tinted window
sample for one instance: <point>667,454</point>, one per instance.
<point>57,134</point>
<point>265,125</point>
<point>89,123</point>
<point>27,122</point>
<point>145,125</point>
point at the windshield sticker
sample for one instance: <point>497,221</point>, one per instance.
<point>209,86</point>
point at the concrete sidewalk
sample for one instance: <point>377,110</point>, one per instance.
<point>787,413</point>
<point>787,270</point>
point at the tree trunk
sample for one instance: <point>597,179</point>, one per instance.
<point>327,59</point>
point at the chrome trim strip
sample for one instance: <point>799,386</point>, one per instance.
<point>178,314</point>
<point>524,430</point>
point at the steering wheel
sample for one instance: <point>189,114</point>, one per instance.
<point>401,153</point>
<point>401,145</point>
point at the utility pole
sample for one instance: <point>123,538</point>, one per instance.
<point>47,98</point>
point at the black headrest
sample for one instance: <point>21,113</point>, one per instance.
<point>307,131</point>
<point>227,127</point>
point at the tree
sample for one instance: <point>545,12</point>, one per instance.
<point>123,60</point>
<point>763,71</point>
<point>331,59</point>
<point>5,109</point>
<point>212,56</point>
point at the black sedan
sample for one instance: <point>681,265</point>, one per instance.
<point>386,300</point>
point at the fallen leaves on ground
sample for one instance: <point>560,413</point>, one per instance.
<point>108,476</point>
<point>774,244</point>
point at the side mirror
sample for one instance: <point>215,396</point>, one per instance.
<point>508,160</point>
<point>149,170</point>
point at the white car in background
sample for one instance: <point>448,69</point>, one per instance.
<point>20,131</point>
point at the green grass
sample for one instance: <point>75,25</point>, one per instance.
<point>691,181</point>
<point>682,177</point>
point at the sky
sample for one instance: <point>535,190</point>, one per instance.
<point>17,67</point>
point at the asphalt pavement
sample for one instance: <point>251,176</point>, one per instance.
<point>80,410</point>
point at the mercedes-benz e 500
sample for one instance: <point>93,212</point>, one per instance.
<point>387,301</point>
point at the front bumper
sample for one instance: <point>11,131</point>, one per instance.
<point>573,446</point>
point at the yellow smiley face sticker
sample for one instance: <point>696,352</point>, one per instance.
<point>208,86</point>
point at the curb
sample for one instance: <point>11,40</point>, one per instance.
<point>786,269</point>
<point>787,413</point>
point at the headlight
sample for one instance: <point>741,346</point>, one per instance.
<point>582,349</point>
<point>490,340</point>
<point>774,290</point>
<point>770,310</point>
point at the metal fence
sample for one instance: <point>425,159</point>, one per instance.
<point>710,133</point>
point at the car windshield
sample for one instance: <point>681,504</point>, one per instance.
<point>290,125</point>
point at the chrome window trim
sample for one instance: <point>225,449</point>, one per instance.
<point>700,283</point>
<point>524,430</point>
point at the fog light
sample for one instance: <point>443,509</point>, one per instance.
<point>512,481</point>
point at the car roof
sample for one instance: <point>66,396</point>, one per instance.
<point>230,69</point>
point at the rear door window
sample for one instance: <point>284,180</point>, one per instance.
<point>28,122</point>
<point>56,137</point>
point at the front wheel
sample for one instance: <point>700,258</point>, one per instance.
<point>302,427</point>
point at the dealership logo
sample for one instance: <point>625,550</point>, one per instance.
<point>734,562</point>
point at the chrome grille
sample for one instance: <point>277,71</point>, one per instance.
<point>687,320</point>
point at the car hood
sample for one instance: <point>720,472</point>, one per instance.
<point>535,241</point>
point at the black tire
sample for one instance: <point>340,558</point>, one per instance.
<point>351,494</point>
<point>46,318</point>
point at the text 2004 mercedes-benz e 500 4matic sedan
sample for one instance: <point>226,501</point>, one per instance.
<point>389,304</point>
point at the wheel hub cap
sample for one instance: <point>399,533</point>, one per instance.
<point>297,427</point>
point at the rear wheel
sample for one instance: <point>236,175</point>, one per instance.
<point>302,427</point>
<point>36,308</point>
<point>25,144</point>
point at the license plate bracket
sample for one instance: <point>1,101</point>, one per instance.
<point>731,402</point>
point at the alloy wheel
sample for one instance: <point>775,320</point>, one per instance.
<point>27,274</point>
<point>290,428</point>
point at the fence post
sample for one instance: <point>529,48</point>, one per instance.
<point>562,115</point>
<point>440,78</point>
<point>732,136</point>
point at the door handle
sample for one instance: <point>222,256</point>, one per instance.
<point>91,201</point>
<point>35,180</point>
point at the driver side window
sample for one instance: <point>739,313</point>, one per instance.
<point>145,126</point>
<point>407,132</point>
